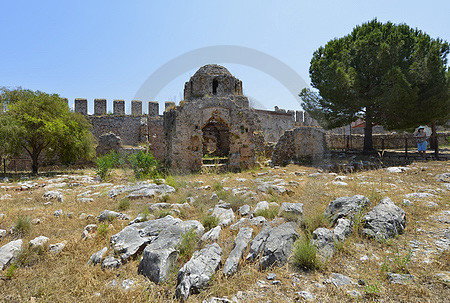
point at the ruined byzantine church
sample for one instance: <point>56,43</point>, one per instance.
<point>213,120</point>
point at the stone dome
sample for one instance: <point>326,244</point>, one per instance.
<point>212,80</point>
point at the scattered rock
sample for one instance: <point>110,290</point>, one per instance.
<point>407,202</point>
<point>225,216</point>
<point>240,244</point>
<point>110,262</point>
<point>386,220</point>
<point>89,231</point>
<point>445,177</point>
<point>339,280</point>
<point>85,200</point>
<point>53,195</point>
<point>38,242</point>
<point>97,257</point>
<point>354,293</point>
<point>398,169</point>
<point>218,300</point>
<point>197,272</point>
<point>323,239</point>
<point>339,183</point>
<point>109,215</point>
<point>291,209</point>
<point>9,252</point>
<point>2,233</point>
<point>342,229</point>
<point>306,295</point>
<point>271,276</point>
<point>57,248</point>
<point>420,196</point>
<point>58,213</point>
<point>345,207</point>
<point>212,235</point>
<point>127,284</point>
<point>244,210</point>
<point>36,221</point>
<point>399,278</point>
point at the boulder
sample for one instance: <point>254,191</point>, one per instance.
<point>97,257</point>
<point>258,242</point>
<point>244,210</point>
<point>386,220</point>
<point>38,242</point>
<point>160,256</point>
<point>111,263</point>
<point>342,229</point>
<point>197,272</point>
<point>53,195</point>
<point>225,216</point>
<point>9,252</point>
<point>263,205</point>
<point>151,190</point>
<point>345,207</point>
<point>278,245</point>
<point>212,235</point>
<point>323,240</point>
<point>240,244</point>
<point>108,215</point>
<point>292,209</point>
<point>56,248</point>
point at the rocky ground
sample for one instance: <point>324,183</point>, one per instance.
<point>381,235</point>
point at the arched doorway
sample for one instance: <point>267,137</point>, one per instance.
<point>216,139</point>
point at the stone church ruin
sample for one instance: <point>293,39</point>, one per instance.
<point>213,121</point>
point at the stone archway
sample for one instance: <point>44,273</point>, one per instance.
<point>216,139</point>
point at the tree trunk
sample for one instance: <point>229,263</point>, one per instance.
<point>368,143</point>
<point>35,163</point>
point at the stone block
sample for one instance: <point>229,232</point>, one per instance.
<point>136,108</point>
<point>153,108</point>
<point>99,107</point>
<point>119,107</point>
<point>169,104</point>
<point>81,106</point>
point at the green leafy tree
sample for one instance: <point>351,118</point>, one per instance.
<point>387,74</point>
<point>34,122</point>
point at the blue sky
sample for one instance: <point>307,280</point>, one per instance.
<point>107,49</point>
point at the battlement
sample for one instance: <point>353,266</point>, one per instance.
<point>81,106</point>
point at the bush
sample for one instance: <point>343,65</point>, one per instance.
<point>102,230</point>
<point>144,165</point>
<point>124,204</point>
<point>268,213</point>
<point>188,245</point>
<point>305,255</point>
<point>106,163</point>
<point>11,271</point>
<point>22,226</point>
<point>209,222</point>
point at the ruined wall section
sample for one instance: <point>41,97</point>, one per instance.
<point>128,128</point>
<point>183,132</point>
<point>274,123</point>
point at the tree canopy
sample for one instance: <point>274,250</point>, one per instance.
<point>390,75</point>
<point>34,122</point>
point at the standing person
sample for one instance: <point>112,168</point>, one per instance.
<point>421,139</point>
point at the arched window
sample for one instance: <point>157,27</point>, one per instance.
<point>215,85</point>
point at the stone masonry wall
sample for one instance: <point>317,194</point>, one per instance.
<point>128,128</point>
<point>274,123</point>
<point>300,145</point>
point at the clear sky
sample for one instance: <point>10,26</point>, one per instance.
<point>107,49</point>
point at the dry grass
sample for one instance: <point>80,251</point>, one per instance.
<point>67,277</point>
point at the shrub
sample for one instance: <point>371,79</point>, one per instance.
<point>30,256</point>
<point>217,186</point>
<point>372,290</point>
<point>124,204</point>
<point>268,213</point>
<point>397,263</point>
<point>170,180</point>
<point>163,213</point>
<point>11,271</point>
<point>188,245</point>
<point>305,255</point>
<point>209,222</point>
<point>106,163</point>
<point>144,165</point>
<point>22,226</point>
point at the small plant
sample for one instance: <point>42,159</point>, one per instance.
<point>217,186</point>
<point>397,263</point>
<point>305,255</point>
<point>268,213</point>
<point>30,256</point>
<point>164,198</point>
<point>102,230</point>
<point>22,226</point>
<point>223,194</point>
<point>11,271</point>
<point>163,213</point>
<point>188,244</point>
<point>106,163</point>
<point>372,290</point>
<point>209,222</point>
<point>358,222</point>
<point>124,204</point>
<point>144,165</point>
<point>170,180</point>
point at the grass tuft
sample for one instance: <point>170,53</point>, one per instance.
<point>209,222</point>
<point>304,255</point>
<point>22,226</point>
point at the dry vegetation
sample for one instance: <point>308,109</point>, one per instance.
<point>66,277</point>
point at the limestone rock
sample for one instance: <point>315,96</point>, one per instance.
<point>38,242</point>
<point>292,209</point>
<point>323,240</point>
<point>384,221</point>
<point>278,245</point>
<point>218,300</point>
<point>89,231</point>
<point>342,229</point>
<point>57,248</point>
<point>9,252</point>
<point>53,195</point>
<point>110,263</point>
<point>263,205</point>
<point>345,207</point>
<point>339,280</point>
<point>108,215</point>
<point>197,272</point>
<point>97,257</point>
<point>445,177</point>
<point>399,278</point>
<point>398,169</point>
<point>2,233</point>
<point>240,244</point>
<point>306,295</point>
<point>151,190</point>
<point>58,213</point>
<point>225,216</point>
<point>244,210</point>
<point>212,235</point>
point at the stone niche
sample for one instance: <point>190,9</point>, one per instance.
<point>302,145</point>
